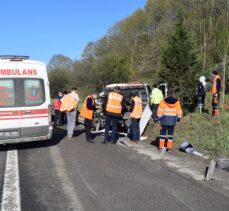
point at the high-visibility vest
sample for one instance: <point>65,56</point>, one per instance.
<point>68,103</point>
<point>214,84</point>
<point>137,112</point>
<point>156,96</point>
<point>169,111</point>
<point>85,112</point>
<point>57,104</point>
<point>114,103</point>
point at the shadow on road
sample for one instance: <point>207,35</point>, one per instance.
<point>156,142</point>
<point>58,135</point>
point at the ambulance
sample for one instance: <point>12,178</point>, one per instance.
<point>25,113</point>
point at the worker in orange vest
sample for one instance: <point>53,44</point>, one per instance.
<point>69,105</point>
<point>135,115</point>
<point>112,111</point>
<point>57,104</point>
<point>87,112</point>
<point>216,89</point>
<point>169,113</point>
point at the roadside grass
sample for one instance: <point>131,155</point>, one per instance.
<point>204,132</point>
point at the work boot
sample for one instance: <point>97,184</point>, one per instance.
<point>169,145</point>
<point>70,138</point>
<point>161,143</point>
<point>90,141</point>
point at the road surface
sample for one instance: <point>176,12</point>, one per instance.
<point>75,175</point>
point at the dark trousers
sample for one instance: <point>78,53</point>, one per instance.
<point>58,117</point>
<point>135,129</point>
<point>111,121</point>
<point>167,129</point>
<point>201,102</point>
<point>88,126</point>
<point>154,111</point>
<point>215,102</point>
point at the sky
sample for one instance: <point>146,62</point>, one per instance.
<point>43,28</point>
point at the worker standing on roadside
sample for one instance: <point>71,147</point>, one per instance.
<point>169,113</point>
<point>155,98</point>
<point>69,105</point>
<point>57,104</point>
<point>201,92</point>
<point>87,112</point>
<point>216,88</point>
<point>135,115</point>
<point>113,111</point>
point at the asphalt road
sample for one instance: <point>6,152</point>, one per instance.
<point>75,175</point>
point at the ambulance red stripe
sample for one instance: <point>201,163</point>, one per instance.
<point>21,112</point>
<point>23,118</point>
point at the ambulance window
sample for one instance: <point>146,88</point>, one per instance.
<point>7,96</point>
<point>33,92</point>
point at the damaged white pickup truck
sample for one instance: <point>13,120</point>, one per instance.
<point>142,89</point>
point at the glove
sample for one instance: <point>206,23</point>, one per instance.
<point>178,119</point>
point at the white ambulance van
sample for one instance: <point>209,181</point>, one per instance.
<point>24,100</point>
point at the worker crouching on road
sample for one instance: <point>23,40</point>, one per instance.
<point>135,115</point>
<point>87,112</point>
<point>216,89</point>
<point>169,113</point>
<point>113,111</point>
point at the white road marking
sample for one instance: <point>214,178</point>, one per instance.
<point>11,200</point>
<point>88,186</point>
<point>66,183</point>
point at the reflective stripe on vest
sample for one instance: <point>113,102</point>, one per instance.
<point>114,103</point>
<point>85,112</point>
<point>165,109</point>
<point>214,84</point>
<point>137,112</point>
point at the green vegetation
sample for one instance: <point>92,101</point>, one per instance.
<point>202,130</point>
<point>159,44</point>
<point>179,65</point>
<point>140,46</point>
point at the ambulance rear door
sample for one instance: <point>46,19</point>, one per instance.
<point>34,101</point>
<point>9,104</point>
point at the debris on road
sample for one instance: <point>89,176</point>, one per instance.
<point>187,147</point>
<point>223,163</point>
<point>210,170</point>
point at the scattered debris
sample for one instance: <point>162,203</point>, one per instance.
<point>210,170</point>
<point>187,147</point>
<point>223,163</point>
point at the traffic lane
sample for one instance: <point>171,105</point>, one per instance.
<point>40,186</point>
<point>105,177</point>
<point>3,153</point>
<point>112,177</point>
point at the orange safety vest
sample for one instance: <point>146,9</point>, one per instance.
<point>214,83</point>
<point>172,110</point>
<point>137,112</point>
<point>85,112</point>
<point>68,103</point>
<point>114,103</point>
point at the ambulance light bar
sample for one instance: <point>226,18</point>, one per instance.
<point>14,57</point>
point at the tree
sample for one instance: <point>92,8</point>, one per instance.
<point>179,64</point>
<point>60,61</point>
<point>112,68</point>
<point>60,80</point>
<point>60,73</point>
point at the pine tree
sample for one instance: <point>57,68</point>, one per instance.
<point>179,64</point>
